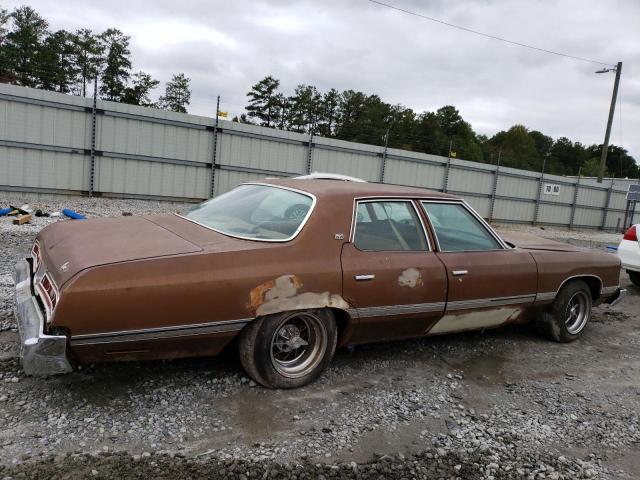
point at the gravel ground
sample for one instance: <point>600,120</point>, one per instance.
<point>583,238</point>
<point>498,404</point>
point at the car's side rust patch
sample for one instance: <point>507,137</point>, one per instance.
<point>411,278</point>
<point>282,295</point>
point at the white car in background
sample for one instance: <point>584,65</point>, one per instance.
<point>629,253</point>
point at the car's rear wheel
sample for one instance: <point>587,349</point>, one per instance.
<point>290,349</point>
<point>569,314</point>
<point>635,278</point>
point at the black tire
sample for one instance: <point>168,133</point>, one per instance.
<point>635,278</point>
<point>569,314</point>
<point>290,349</point>
<point>246,349</point>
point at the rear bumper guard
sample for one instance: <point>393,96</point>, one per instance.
<point>40,354</point>
<point>616,297</point>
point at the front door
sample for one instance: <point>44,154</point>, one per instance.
<point>489,283</point>
<point>391,276</point>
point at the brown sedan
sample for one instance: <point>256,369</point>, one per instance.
<point>292,269</point>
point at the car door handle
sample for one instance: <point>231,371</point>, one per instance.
<point>458,273</point>
<point>361,278</point>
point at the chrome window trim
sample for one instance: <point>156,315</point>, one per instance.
<point>395,198</point>
<point>473,213</point>
<point>314,201</point>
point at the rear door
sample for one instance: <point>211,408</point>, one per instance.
<point>489,283</point>
<point>391,276</point>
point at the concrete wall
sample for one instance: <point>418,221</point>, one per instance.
<point>55,143</point>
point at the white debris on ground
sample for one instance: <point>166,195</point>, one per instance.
<point>496,405</point>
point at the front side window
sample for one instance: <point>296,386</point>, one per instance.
<point>390,226</point>
<point>256,212</point>
<point>457,229</point>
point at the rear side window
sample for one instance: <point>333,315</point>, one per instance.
<point>388,225</point>
<point>457,229</point>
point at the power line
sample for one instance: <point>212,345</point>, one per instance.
<point>487,35</point>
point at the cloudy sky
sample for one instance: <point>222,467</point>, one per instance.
<point>227,46</point>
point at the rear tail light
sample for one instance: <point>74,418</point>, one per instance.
<point>49,293</point>
<point>36,256</point>
<point>631,234</point>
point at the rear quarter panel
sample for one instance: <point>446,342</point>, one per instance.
<point>556,267</point>
<point>209,286</point>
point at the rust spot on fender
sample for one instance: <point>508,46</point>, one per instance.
<point>281,295</point>
<point>410,278</point>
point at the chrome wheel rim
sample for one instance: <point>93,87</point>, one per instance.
<point>298,345</point>
<point>577,313</point>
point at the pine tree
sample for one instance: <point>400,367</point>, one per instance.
<point>138,93</point>
<point>264,103</point>
<point>283,105</point>
<point>117,68</point>
<point>23,43</point>
<point>329,113</point>
<point>89,51</point>
<point>177,94</point>
<point>6,75</point>
<point>57,69</point>
<point>305,109</point>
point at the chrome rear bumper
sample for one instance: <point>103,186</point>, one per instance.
<point>616,297</point>
<point>40,354</point>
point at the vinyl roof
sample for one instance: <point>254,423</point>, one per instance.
<point>322,188</point>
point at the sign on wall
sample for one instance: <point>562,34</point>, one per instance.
<point>551,189</point>
<point>634,193</point>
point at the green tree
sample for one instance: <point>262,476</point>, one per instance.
<point>23,43</point>
<point>140,90</point>
<point>403,128</point>
<point>460,134</point>
<point>117,68</point>
<point>304,109</point>
<point>350,115</point>
<point>5,75</point>
<point>177,94</point>
<point>619,163</point>
<point>57,69</point>
<point>542,142</point>
<point>565,157</point>
<point>264,103</point>
<point>329,111</point>
<point>89,50</point>
<point>430,136</point>
<point>283,105</point>
<point>517,148</point>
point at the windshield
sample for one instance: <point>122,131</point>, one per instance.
<point>256,212</point>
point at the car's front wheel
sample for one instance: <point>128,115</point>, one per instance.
<point>634,277</point>
<point>569,313</point>
<point>290,349</point>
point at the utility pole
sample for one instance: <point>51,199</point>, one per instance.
<point>612,109</point>
<point>94,111</point>
<point>383,165</point>
<point>212,186</point>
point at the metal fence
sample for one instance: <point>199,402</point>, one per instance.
<point>56,143</point>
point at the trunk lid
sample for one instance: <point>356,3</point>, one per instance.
<point>72,246</point>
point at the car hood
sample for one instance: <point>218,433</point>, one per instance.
<point>72,246</point>
<point>532,242</point>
